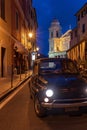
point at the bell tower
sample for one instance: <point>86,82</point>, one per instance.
<point>54,36</point>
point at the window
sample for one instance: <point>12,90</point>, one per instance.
<point>57,34</point>
<point>82,14</point>
<point>17,21</point>
<point>78,25</point>
<point>51,34</point>
<point>69,67</point>
<point>83,28</point>
<point>58,48</point>
<point>50,67</point>
<point>71,35</point>
<point>86,10</point>
<point>78,18</point>
<point>51,48</point>
<point>75,33</point>
<point>2,9</point>
<point>86,50</point>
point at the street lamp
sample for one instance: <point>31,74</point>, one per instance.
<point>37,48</point>
<point>30,35</point>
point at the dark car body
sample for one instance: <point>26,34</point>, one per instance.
<point>56,83</point>
<point>84,73</point>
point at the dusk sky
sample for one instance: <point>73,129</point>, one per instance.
<point>46,10</point>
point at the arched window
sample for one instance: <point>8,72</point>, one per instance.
<point>57,35</point>
<point>51,34</point>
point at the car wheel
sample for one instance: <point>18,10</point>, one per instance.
<point>39,110</point>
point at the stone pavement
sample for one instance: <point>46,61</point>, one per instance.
<point>7,84</point>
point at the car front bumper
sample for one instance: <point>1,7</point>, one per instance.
<point>64,105</point>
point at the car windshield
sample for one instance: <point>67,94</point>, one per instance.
<point>58,67</point>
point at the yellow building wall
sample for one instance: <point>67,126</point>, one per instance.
<point>5,42</point>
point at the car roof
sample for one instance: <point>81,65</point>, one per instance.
<point>52,59</point>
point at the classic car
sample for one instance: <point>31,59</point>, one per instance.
<point>57,84</point>
<point>84,73</point>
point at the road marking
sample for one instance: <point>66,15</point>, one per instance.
<point>12,95</point>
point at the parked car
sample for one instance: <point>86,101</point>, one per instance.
<point>83,72</point>
<point>56,83</point>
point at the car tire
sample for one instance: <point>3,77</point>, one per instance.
<point>39,110</point>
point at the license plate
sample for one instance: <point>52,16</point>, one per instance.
<point>68,109</point>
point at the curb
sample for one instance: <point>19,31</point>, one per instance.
<point>3,96</point>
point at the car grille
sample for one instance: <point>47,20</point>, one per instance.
<point>69,93</point>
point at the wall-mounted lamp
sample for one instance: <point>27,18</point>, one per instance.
<point>30,35</point>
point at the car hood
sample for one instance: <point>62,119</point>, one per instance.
<point>66,80</point>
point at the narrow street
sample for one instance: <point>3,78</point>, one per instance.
<point>45,42</point>
<point>18,114</point>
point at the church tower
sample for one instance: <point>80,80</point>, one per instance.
<point>58,43</point>
<point>54,38</point>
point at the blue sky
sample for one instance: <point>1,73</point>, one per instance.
<point>47,10</point>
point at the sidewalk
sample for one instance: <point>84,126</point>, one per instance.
<point>6,84</point>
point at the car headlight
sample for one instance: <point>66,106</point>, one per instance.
<point>49,93</point>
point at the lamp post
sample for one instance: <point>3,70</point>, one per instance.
<point>33,51</point>
<point>13,63</point>
<point>30,35</point>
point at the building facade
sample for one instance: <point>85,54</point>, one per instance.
<point>78,46</point>
<point>58,43</point>
<point>17,19</point>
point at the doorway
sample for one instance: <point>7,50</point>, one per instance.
<point>3,50</point>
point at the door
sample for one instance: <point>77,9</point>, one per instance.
<point>3,50</point>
